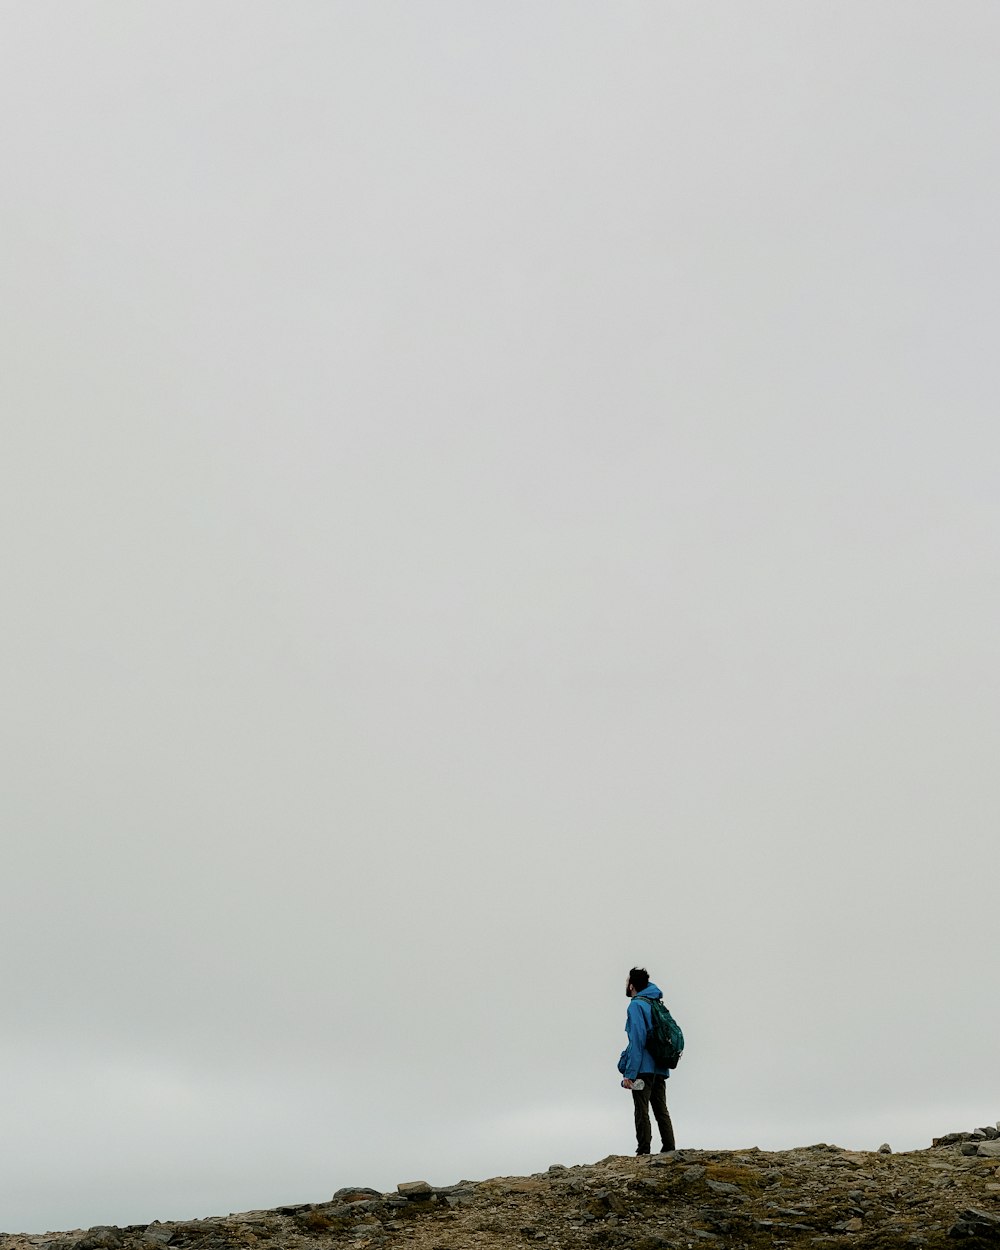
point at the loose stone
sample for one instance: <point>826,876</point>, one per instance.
<point>415,1189</point>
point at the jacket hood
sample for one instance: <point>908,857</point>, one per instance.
<point>651,991</point>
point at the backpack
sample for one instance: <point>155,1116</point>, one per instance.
<point>664,1041</point>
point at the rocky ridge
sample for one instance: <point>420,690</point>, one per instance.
<point>807,1197</point>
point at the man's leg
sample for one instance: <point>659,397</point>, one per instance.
<point>658,1101</point>
<point>640,1101</point>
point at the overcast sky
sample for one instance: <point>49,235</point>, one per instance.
<point>491,493</point>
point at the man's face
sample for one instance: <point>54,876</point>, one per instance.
<point>629,989</point>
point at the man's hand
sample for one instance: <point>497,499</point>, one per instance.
<point>626,1084</point>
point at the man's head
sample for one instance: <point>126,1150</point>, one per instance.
<point>638,979</point>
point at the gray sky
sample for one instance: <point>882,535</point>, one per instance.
<point>491,493</point>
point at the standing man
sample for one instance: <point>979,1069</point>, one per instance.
<point>636,1063</point>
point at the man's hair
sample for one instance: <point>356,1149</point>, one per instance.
<point>639,978</point>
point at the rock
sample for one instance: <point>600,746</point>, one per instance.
<point>103,1237</point>
<point>988,1149</point>
<point>979,1224</point>
<point>460,1200</point>
<point>358,1206</point>
<point>355,1193</point>
<point>885,1149</point>
<point>724,1187</point>
<point>415,1190</point>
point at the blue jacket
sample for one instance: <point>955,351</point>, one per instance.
<point>635,1058</point>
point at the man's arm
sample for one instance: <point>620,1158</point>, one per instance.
<point>637,1029</point>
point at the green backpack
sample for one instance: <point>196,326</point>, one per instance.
<point>664,1041</point>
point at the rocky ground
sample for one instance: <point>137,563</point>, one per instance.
<point>813,1196</point>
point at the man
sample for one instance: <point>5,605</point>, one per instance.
<point>636,1063</point>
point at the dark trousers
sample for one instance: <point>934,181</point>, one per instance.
<point>653,1094</point>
